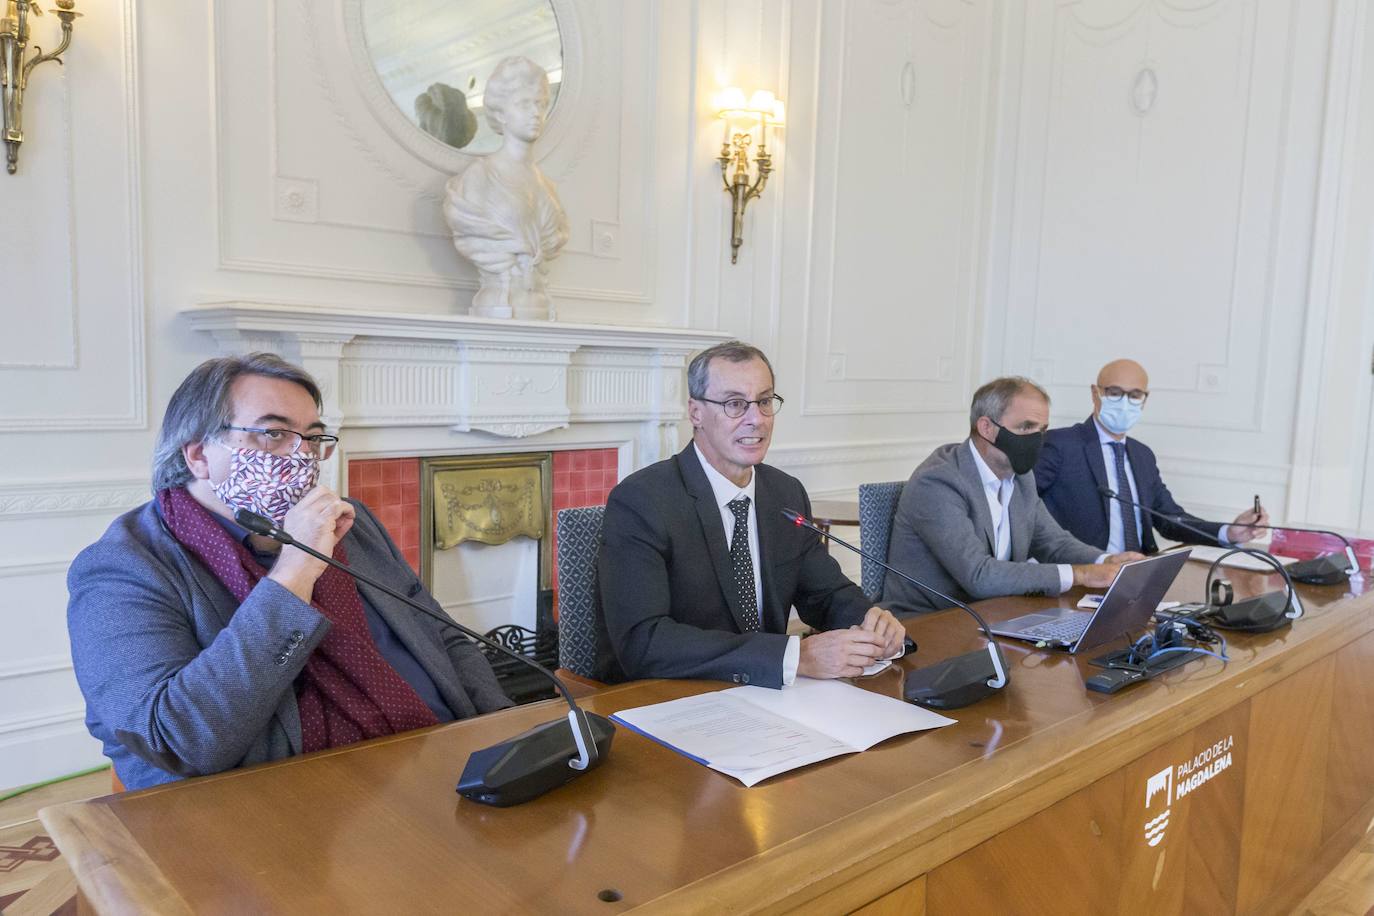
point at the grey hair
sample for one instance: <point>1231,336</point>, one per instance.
<point>201,406</point>
<point>992,399</point>
<point>732,351</point>
<point>509,75</point>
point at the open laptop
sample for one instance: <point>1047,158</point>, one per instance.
<point>1126,608</point>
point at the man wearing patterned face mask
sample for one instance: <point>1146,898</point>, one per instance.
<point>200,647</point>
<point>969,522</point>
<point>1077,460</point>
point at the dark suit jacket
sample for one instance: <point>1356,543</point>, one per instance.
<point>664,578</point>
<point>1071,469</point>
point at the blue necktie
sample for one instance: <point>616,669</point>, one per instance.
<point>1123,489</point>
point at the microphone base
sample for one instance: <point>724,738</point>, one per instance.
<point>530,764</point>
<point>1328,569</point>
<point>1262,614</point>
<point>952,683</point>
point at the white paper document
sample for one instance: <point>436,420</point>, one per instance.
<point>1238,560</point>
<point>752,733</point>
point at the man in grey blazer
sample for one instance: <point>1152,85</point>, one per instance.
<point>970,522</point>
<point>200,647</point>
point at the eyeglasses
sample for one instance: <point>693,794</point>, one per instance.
<point>279,441</point>
<point>1114,393</point>
<point>737,407</point>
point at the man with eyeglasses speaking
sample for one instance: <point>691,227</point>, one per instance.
<point>1078,460</point>
<point>698,568</point>
<point>200,647</point>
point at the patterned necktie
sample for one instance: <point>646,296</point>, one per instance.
<point>1123,489</point>
<point>743,563</point>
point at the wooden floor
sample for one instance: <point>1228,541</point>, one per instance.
<point>35,882</point>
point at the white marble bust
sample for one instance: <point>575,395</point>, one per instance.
<point>505,215</point>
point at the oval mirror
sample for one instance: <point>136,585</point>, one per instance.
<point>434,58</point>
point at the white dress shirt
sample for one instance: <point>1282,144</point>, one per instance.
<point>998,492</point>
<point>727,492</point>
<point>1116,533</point>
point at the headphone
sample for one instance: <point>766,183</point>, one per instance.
<point>1173,633</point>
<point>1221,592</point>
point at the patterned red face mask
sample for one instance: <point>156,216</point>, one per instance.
<point>265,483</point>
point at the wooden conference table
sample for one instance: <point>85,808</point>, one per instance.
<point>1035,802</point>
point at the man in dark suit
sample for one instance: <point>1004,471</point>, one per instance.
<point>1077,460</point>
<point>698,568</point>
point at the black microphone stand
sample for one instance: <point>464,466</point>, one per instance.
<point>1254,615</point>
<point>951,683</point>
<point>517,770</point>
<point>1320,570</point>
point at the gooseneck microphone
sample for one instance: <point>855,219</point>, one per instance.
<point>1260,614</point>
<point>523,767</point>
<point>1327,569</point>
<point>951,683</point>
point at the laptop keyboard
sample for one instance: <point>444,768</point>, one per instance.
<point>1066,629</point>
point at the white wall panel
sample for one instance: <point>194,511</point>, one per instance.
<point>72,354</point>
<point>898,181</point>
<point>1162,174</point>
<point>73,372</point>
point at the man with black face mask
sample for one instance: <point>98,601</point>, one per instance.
<point>970,522</point>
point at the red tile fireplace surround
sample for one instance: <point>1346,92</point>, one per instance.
<point>390,488</point>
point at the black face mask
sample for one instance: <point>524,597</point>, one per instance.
<point>1022,449</point>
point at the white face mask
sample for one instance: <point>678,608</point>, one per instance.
<point>1118,415</point>
<point>267,484</point>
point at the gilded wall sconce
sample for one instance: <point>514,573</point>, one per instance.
<point>15,69</point>
<point>744,120</point>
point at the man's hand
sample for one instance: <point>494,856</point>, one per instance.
<point>319,520</point>
<point>1238,532</point>
<point>883,624</point>
<point>1095,575</point>
<point>1126,556</point>
<point>839,653</point>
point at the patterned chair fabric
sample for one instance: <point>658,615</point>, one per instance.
<point>877,508</point>
<point>579,538</point>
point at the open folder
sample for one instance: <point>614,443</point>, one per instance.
<point>752,733</point>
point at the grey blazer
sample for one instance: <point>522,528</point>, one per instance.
<point>182,680</point>
<point>942,535</point>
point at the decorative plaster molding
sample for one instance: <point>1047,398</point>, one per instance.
<point>800,456</point>
<point>297,200</point>
<point>72,497</point>
<point>516,430</point>
<point>1144,91</point>
<point>33,723</point>
<point>46,664</point>
<point>34,568</point>
<point>1268,475</point>
<point>309,320</point>
<point>514,379</point>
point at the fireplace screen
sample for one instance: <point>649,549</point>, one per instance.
<point>487,504</point>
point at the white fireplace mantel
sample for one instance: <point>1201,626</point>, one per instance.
<point>514,379</point>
